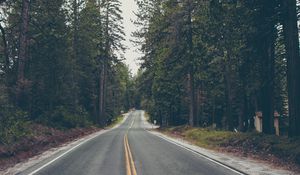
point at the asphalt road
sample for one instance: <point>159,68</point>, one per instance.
<point>128,150</point>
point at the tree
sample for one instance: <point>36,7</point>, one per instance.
<point>190,57</point>
<point>268,33</point>
<point>113,35</point>
<point>87,59</point>
<point>293,62</point>
<point>21,81</point>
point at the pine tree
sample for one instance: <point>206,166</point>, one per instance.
<point>293,62</point>
<point>113,35</point>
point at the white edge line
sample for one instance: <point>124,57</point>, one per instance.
<point>195,152</point>
<point>47,164</point>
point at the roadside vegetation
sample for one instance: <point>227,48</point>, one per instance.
<point>21,144</point>
<point>116,121</point>
<point>281,151</point>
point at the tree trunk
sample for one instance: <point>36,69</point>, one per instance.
<point>245,114</point>
<point>6,66</point>
<point>228,93</point>
<point>268,84</point>
<point>268,35</point>
<point>244,111</point>
<point>75,54</point>
<point>191,98</point>
<point>198,107</point>
<point>22,51</point>
<point>75,26</point>
<point>102,82</point>
<point>293,64</point>
<point>101,119</point>
<point>190,76</point>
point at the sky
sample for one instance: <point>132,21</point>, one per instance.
<point>131,55</point>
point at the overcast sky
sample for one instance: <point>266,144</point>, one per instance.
<point>131,56</point>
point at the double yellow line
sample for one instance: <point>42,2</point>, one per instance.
<point>130,167</point>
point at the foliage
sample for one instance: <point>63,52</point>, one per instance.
<point>13,124</point>
<point>68,46</point>
<point>62,118</point>
<point>234,75</point>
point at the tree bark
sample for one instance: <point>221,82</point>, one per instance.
<point>103,72</point>
<point>293,64</point>
<point>228,92</point>
<point>267,29</point>
<point>268,84</point>
<point>191,98</point>
<point>22,50</point>
<point>75,26</point>
<point>101,119</point>
<point>190,75</point>
<point>6,66</point>
<point>75,52</point>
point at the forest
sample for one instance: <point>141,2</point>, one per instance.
<point>220,62</point>
<point>205,63</point>
<point>61,64</point>
<point>223,75</point>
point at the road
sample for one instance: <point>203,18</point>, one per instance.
<point>128,150</point>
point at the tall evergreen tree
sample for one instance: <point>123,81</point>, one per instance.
<point>291,36</point>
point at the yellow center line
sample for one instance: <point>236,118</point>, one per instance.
<point>133,169</point>
<point>128,169</point>
<point>129,163</point>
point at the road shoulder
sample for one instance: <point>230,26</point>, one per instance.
<point>243,164</point>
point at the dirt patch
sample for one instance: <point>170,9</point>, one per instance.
<point>40,139</point>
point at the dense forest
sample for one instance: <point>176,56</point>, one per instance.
<point>61,64</point>
<point>223,75</point>
<point>206,63</point>
<point>220,62</point>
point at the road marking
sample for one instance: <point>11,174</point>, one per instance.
<point>76,146</point>
<point>128,171</point>
<point>47,164</point>
<point>131,124</point>
<point>195,152</point>
<point>130,167</point>
<point>130,157</point>
<point>199,154</point>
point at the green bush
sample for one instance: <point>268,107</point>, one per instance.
<point>13,125</point>
<point>63,118</point>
